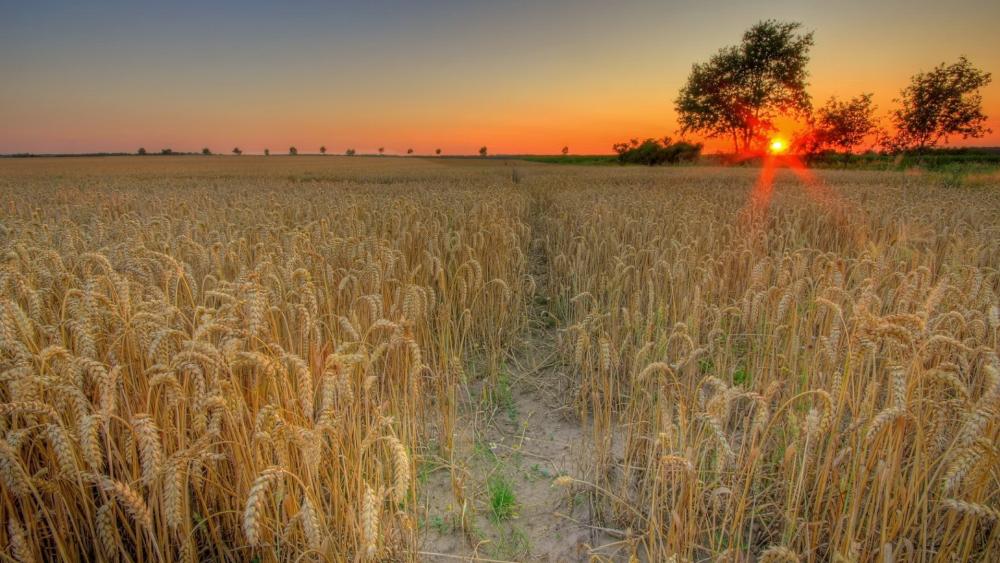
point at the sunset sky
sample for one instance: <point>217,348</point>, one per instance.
<point>518,76</point>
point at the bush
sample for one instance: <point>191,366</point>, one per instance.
<point>652,152</point>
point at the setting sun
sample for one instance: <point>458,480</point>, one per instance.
<point>777,146</point>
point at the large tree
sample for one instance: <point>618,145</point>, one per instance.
<point>939,104</point>
<point>741,90</point>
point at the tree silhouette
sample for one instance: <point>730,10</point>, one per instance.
<point>482,150</point>
<point>409,151</point>
<point>322,149</point>
<point>205,151</point>
<point>437,151</point>
<point>941,103</point>
<point>293,151</point>
<point>267,152</point>
<point>381,150</point>
<point>842,125</point>
<point>237,151</point>
<point>166,151</point>
<point>142,150</point>
<point>741,90</point>
<point>349,152</point>
<point>565,151</point>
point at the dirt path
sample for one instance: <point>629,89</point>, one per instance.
<point>509,451</point>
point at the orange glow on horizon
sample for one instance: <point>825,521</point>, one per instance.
<point>439,81</point>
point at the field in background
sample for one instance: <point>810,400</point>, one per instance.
<point>331,358</point>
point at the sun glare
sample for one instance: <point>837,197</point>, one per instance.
<point>778,146</point>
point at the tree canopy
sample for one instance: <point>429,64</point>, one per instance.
<point>842,124</point>
<point>741,90</point>
<point>939,104</point>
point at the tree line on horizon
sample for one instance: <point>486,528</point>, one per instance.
<point>292,151</point>
<point>741,91</point>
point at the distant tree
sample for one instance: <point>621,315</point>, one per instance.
<point>741,90</point>
<point>322,149</point>
<point>267,152</point>
<point>939,104</point>
<point>142,151</point>
<point>437,152</point>
<point>381,150</point>
<point>237,151</point>
<point>842,125</point>
<point>349,152</point>
<point>620,149</point>
<point>482,151</point>
<point>409,151</point>
<point>166,151</point>
<point>565,151</point>
<point>293,151</point>
<point>205,151</point>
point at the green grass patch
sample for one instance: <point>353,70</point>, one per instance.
<point>503,501</point>
<point>586,159</point>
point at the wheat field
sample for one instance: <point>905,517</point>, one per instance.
<point>281,359</point>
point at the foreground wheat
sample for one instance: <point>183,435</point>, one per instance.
<point>202,361</point>
<point>825,366</point>
<point>198,374</point>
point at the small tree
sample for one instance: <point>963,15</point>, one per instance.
<point>349,152</point>
<point>409,151</point>
<point>565,151</point>
<point>939,104</point>
<point>237,151</point>
<point>620,149</point>
<point>437,152</point>
<point>293,151</point>
<point>322,149</point>
<point>267,152</point>
<point>842,125</point>
<point>205,151</point>
<point>482,151</point>
<point>166,151</point>
<point>381,150</point>
<point>142,151</point>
